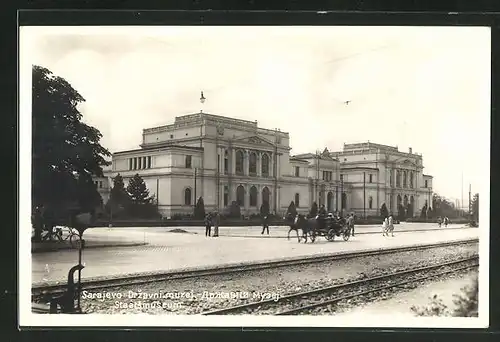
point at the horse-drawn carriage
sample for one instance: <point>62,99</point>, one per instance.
<point>328,227</point>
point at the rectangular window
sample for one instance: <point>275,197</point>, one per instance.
<point>297,171</point>
<point>188,162</point>
<point>218,163</point>
<point>149,162</point>
<point>371,180</point>
<point>226,165</point>
<point>130,163</point>
<point>135,163</point>
<point>425,184</point>
<point>144,162</point>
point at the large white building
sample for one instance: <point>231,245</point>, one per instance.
<point>224,159</point>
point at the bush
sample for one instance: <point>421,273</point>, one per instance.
<point>234,210</point>
<point>466,304</point>
<point>199,210</point>
<point>383,211</point>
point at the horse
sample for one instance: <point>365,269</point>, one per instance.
<point>307,225</point>
<point>292,222</point>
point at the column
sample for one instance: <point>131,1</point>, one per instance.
<point>271,164</point>
<point>259,196</point>
<point>259,164</point>
<point>247,198</point>
<point>232,161</point>
<point>246,160</point>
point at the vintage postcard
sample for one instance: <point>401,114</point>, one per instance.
<point>254,176</point>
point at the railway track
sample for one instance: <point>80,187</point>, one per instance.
<point>40,291</point>
<point>306,302</point>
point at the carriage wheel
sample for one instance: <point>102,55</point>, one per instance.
<point>331,235</point>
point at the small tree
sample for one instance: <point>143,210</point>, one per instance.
<point>291,209</point>
<point>475,208</point>
<point>199,210</point>
<point>314,210</point>
<point>141,204</point>
<point>234,210</point>
<point>423,213</point>
<point>383,210</point>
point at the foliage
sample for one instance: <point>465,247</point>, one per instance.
<point>199,210</point>
<point>383,210</point>
<point>475,208</point>
<point>466,304</point>
<point>423,213</point>
<point>118,198</point>
<point>291,209</point>
<point>141,204</point>
<point>314,210</point>
<point>66,152</point>
<point>442,207</point>
<point>234,210</point>
<point>264,209</point>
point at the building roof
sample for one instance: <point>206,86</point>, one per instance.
<point>158,147</point>
<point>359,168</point>
<point>427,176</point>
<point>298,160</point>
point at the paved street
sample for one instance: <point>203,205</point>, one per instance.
<point>173,251</point>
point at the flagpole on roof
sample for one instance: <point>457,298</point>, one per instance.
<point>202,100</point>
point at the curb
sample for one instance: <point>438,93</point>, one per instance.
<point>62,248</point>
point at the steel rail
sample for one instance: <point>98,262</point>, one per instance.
<point>323,290</point>
<point>139,279</point>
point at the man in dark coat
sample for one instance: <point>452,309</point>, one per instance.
<point>208,224</point>
<point>265,224</point>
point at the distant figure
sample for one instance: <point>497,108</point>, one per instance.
<point>208,224</point>
<point>446,221</point>
<point>350,223</point>
<point>265,224</point>
<point>390,225</point>
<point>216,224</point>
<point>385,226</point>
<point>439,221</point>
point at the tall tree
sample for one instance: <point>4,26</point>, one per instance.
<point>401,212</point>
<point>118,197</point>
<point>423,213</point>
<point>66,152</point>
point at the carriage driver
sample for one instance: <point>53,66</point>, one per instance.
<point>322,216</point>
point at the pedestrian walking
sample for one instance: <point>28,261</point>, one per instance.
<point>385,226</point>
<point>208,225</point>
<point>265,225</point>
<point>216,224</point>
<point>350,223</point>
<point>390,225</point>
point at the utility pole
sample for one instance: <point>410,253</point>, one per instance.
<point>195,192</point>
<point>470,204</point>
<point>275,170</point>
<point>341,195</point>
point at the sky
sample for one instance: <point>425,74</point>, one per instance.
<point>422,87</point>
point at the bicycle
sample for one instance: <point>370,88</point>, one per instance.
<point>57,234</point>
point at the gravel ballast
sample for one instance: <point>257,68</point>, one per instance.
<point>197,295</point>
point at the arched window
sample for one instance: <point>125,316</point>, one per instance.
<point>187,196</point>
<point>404,179</point>
<point>253,196</point>
<point>240,195</point>
<point>252,165</point>
<point>390,178</point>
<point>411,207</point>
<point>266,195</point>
<point>370,202</point>
<point>297,202</point>
<point>239,162</point>
<point>411,179</point>
<point>399,200</point>
<point>405,201</point>
<point>398,178</point>
<point>265,165</point>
